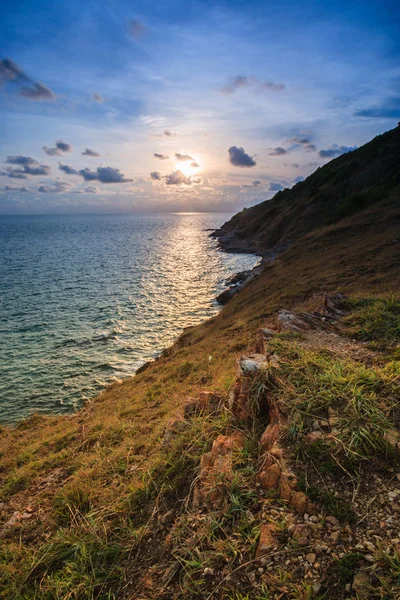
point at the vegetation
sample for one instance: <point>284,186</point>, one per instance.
<point>360,187</point>
<point>99,505</point>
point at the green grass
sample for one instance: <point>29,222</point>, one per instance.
<point>311,383</point>
<point>376,320</point>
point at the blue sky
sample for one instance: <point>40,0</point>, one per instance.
<point>238,99</point>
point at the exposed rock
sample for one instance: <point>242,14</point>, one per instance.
<point>269,477</point>
<point>262,339</point>
<point>335,306</point>
<point>252,364</point>
<point>249,367</point>
<point>392,438</point>
<point>303,321</point>
<point>215,467</point>
<point>238,277</point>
<point>224,297</point>
<point>268,539</point>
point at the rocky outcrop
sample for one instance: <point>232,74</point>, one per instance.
<point>216,470</point>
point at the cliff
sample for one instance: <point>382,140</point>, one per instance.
<point>362,186</point>
<point>259,456</point>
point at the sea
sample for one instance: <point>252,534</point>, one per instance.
<point>86,300</point>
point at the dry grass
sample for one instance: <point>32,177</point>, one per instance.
<point>91,481</point>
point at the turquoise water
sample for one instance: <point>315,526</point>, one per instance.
<point>85,300</point>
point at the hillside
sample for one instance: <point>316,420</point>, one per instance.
<point>259,457</point>
<point>365,181</point>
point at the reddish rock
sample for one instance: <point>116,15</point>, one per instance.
<point>215,466</point>
<point>268,539</point>
<point>271,435</point>
<point>299,502</point>
<point>269,478</point>
<point>285,489</point>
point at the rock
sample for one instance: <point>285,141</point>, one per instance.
<point>252,364</point>
<point>299,501</point>
<point>172,428</point>
<point>238,277</point>
<point>215,466</point>
<point>361,584</point>
<point>248,368</point>
<point>224,297</point>
<point>13,520</point>
<point>335,537</point>
<point>392,438</point>
<point>311,558</point>
<point>335,306</point>
<point>268,539</point>
<point>269,478</point>
<point>303,321</point>
<point>262,339</point>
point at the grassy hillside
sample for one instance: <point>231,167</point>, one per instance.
<point>100,504</point>
<point>366,180</point>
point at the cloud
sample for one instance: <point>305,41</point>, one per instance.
<point>21,160</point>
<point>177,178</point>
<point>9,188</point>
<point>298,179</point>
<point>97,98</point>
<point>68,170</point>
<point>58,187</point>
<point>303,141</point>
<point>195,165</point>
<point>255,184</point>
<point>63,146</point>
<point>168,133</point>
<point>160,156</point>
<point>89,152</point>
<point>16,174</point>
<point>52,151</point>
<point>90,189</point>
<point>389,109</point>
<point>59,149</point>
<point>336,150</point>
<point>155,175</point>
<point>29,166</point>
<point>275,187</point>
<point>239,158</point>
<point>299,140</point>
<point>183,156</point>
<point>242,81</point>
<point>278,151</point>
<point>37,91</point>
<point>136,29</point>
<point>104,175</point>
<point>10,72</point>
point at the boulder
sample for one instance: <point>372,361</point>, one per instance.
<point>303,321</point>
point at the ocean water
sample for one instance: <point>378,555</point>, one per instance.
<point>85,300</point>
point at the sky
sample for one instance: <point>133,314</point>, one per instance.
<point>119,106</point>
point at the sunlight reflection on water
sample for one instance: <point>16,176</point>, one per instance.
<point>86,300</point>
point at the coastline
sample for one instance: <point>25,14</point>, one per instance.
<point>158,354</point>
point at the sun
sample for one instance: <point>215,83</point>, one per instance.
<point>187,168</point>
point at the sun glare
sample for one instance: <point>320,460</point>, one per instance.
<point>187,169</point>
